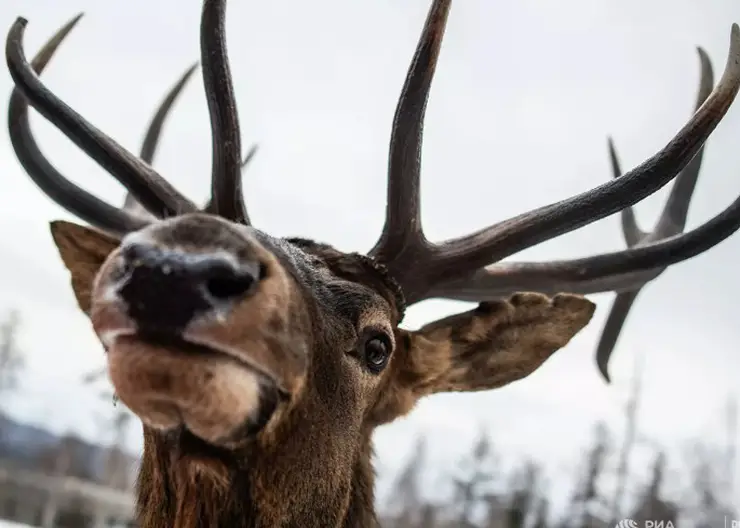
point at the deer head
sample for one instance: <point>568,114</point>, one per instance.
<point>260,366</point>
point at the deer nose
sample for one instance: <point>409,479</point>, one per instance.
<point>165,289</point>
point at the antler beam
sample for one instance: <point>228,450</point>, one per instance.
<point>226,182</point>
<point>404,248</point>
<point>61,190</point>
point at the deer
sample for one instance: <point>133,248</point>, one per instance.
<point>260,366</point>
<point>672,219</point>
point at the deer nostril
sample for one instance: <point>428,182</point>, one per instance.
<point>225,288</point>
<point>225,282</point>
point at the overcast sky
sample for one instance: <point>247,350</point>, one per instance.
<point>525,95</point>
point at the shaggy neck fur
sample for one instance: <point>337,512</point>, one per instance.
<point>309,485</point>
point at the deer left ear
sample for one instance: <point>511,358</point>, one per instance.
<point>486,348</point>
<point>83,251</point>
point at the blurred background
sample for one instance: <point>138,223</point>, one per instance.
<point>525,96</point>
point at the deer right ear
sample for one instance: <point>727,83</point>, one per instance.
<point>83,251</point>
<point>489,347</point>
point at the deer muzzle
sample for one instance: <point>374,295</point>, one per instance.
<point>209,339</point>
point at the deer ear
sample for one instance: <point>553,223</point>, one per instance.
<point>83,251</point>
<point>489,347</point>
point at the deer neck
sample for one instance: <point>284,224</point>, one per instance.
<point>313,484</point>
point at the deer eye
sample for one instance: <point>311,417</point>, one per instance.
<point>376,352</point>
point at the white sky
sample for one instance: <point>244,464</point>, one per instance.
<point>525,95</point>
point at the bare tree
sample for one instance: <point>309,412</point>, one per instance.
<point>708,505</point>
<point>652,506</point>
<point>731,450</point>
<point>630,434</point>
<point>473,486</point>
<point>587,497</point>
<point>541,514</point>
<point>12,360</point>
<point>429,514</point>
<point>524,495</point>
<point>407,498</point>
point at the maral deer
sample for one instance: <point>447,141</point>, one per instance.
<point>672,220</point>
<point>260,366</point>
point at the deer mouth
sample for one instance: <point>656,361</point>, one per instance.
<point>173,383</point>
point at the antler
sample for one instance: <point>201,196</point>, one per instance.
<point>154,131</point>
<point>145,186</point>
<point>671,222</point>
<point>151,139</point>
<point>73,198</point>
<point>504,278</point>
<point>226,183</point>
<point>148,187</point>
<point>455,269</point>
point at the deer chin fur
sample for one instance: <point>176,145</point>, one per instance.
<point>169,386</point>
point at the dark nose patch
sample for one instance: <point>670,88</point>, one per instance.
<point>165,289</point>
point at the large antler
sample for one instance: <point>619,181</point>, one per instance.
<point>145,186</point>
<point>505,278</point>
<point>455,268</point>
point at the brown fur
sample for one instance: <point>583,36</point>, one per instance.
<point>310,466</point>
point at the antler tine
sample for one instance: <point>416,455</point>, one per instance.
<point>150,189</point>
<point>673,217</point>
<point>460,257</point>
<point>61,190</point>
<point>675,212</point>
<point>210,206</point>
<point>671,222</point>
<point>153,133</point>
<point>226,182</point>
<point>248,157</point>
<point>402,232</point>
<point>631,231</point>
<point>621,307</point>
